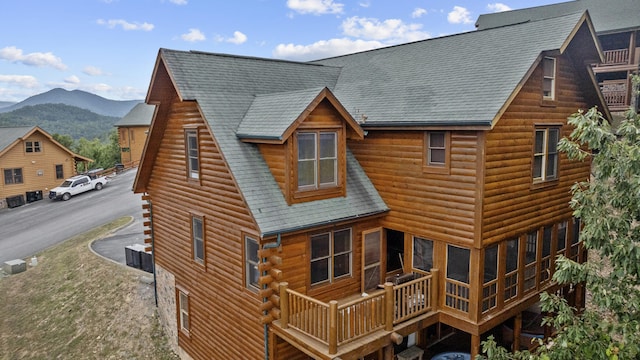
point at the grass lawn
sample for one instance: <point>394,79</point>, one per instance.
<point>77,305</point>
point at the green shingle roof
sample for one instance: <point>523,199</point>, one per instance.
<point>609,16</point>
<point>458,80</point>
<point>8,135</point>
<point>140,115</point>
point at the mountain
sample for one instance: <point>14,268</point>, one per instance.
<point>5,104</point>
<point>77,98</point>
<point>61,119</point>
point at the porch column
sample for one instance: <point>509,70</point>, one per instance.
<point>475,345</point>
<point>388,352</point>
<point>517,330</point>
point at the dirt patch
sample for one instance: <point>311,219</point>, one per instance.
<point>77,305</point>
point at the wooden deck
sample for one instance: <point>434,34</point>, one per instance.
<point>346,326</point>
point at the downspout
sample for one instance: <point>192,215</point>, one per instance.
<point>266,326</point>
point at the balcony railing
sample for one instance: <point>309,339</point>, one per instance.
<point>616,57</point>
<point>615,93</point>
<point>336,323</point>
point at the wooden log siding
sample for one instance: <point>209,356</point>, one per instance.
<point>512,205</point>
<point>436,206</point>
<point>220,283</point>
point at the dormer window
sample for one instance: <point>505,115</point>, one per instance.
<point>317,160</point>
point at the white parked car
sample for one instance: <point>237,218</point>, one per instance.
<point>78,184</point>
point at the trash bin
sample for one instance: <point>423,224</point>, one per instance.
<point>15,201</point>
<point>146,261</point>
<point>34,196</point>
<point>119,168</point>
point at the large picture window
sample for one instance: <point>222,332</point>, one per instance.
<point>193,154</point>
<point>317,160</point>
<point>331,256</point>
<point>545,157</point>
<point>12,176</point>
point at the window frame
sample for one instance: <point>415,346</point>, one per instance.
<point>436,167</point>
<point>414,252</point>
<point>15,178</point>
<point>183,311</point>
<point>200,260</point>
<point>59,171</point>
<point>490,286</point>
<point>530,269</point>
<point>32,147</point>
<point>545,154</point>
<point>317,160</point>
<point>249,262</point>
<point>194,174</point>
<point>551,78</point>
<point>511,290</point>
<point>330,257</point>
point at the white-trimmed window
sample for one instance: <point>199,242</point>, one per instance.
<point>32,146</point>
<point>549,78</point>
<point>545,154</point>
<point>193,154</point>
<point>183,311</point>
<point>317,159</point>
<point>251,261</point>
<point>331,256</point>
<point>197,238</point>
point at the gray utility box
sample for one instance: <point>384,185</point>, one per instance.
<point>14,266</point>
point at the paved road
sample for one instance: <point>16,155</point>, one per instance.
<point>31,228</point>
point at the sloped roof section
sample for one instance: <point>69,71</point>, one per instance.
<point>609,16</point>
<point>9,135</point>
<point>458,80</point>
<point>225,88</point>
<point>140,115</point>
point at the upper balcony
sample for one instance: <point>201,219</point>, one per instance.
<point>341,326</point>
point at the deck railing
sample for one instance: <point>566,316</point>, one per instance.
<point>615,93</point>
<point>335,324</point>
<point>616,57</point>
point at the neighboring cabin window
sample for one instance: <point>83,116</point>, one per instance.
<point>193,155</point>
<point>59,172</point>
<point>33,146</point>
<point>422,254</point>
<point>437,146</point>
<point>545,157</point>
<point>251,263</point>
<point>330,256</point>
<point>549,78</point>
<point>12,176</point>
<point>183,311</point>
<point>197,236</point>
<point>317,160</point>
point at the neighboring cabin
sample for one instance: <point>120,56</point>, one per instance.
<point>32,162</point>
<point>132,133</point>
<point>335,208</point>
<point>617,25</point>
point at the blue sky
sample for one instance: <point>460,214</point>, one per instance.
<point>109,47</point>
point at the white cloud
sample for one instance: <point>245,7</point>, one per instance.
<point>459,15</point>
<point>125,25</point>
<point>323,49</point>
<point>316,7</point>
<point>25,81</point>
<point>498,7</point>
<point>390,30</point>
<point>238,38</point>
<point>92,71</point>
<point>74,80</point>
<point>179,2</point>
<point>15,55</point>
<point>193,35</point>
<point>364,4</point>
<point>418,12</point>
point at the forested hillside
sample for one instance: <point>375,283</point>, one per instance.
<point>61,119</point>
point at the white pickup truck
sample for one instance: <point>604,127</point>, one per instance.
<point>76,185</point>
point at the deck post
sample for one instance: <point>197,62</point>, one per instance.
<point>475,345</point>
<point>284,305</point>
<point>333,327</point>
<point>517,331</point>
<point>389,306</point>
<point>433,301</point>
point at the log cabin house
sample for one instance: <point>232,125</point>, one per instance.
<point>353,206</point>
<point>132,133</point>
<point>617,24</point>
<point>31,162</point>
